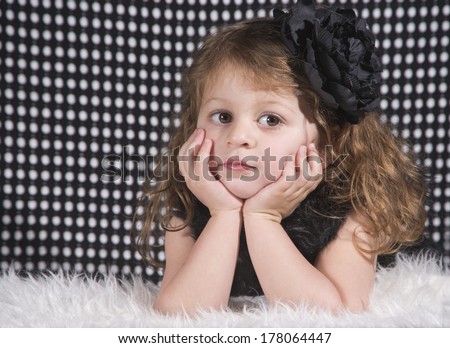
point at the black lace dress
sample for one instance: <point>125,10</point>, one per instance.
<point>311,227</point>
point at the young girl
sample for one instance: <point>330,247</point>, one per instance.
<point>282,181</point>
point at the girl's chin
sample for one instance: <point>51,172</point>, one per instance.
<point>243,195</point>
<point>243,189</point>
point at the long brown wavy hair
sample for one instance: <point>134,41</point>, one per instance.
<point>378,176</point>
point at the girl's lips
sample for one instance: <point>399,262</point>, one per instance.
<point>233,165</point>
<point>237,166</point>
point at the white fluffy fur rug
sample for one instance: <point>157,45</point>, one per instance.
<point>415,293</point>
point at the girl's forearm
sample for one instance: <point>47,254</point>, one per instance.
<point>205,279</point>
<point>284,273</point>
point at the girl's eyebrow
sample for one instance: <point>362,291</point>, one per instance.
<point>213,99</point>
<point>281,104</point>
<point>268,101</point>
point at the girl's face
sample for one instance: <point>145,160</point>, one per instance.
<point>253,130</point>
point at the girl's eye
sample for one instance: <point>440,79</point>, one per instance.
<point>270,120</point>
<point>221,117</point>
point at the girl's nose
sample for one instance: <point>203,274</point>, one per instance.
<point>241,135</point>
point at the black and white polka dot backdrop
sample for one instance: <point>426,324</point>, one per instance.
<point>87,90</point>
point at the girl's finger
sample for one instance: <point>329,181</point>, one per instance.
<point>289,172</point>
<point>189,147</point>
<point>187,153</point>
<point>202,163</point>
<point>204,150</point>
<point>301,162</point>
<point>315,166</point>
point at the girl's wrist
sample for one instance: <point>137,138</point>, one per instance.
<point>227,213</point>
<point>232,219</point>
<point>262,217</point>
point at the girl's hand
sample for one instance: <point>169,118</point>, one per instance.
<point>193,160</point>
<point>279,199</point>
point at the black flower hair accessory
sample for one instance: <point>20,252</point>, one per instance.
<point>338,54</point>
